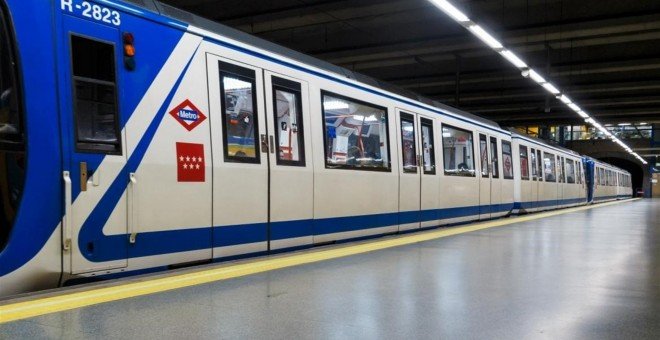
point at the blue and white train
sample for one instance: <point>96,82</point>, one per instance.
<point>135,137</point>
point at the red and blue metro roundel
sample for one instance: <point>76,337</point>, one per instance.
<point>188,115</point>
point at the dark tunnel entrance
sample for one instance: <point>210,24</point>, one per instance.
<point>636,171</point>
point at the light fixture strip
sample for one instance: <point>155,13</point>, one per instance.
<point>527,72</point>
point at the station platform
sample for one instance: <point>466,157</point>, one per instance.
<point>587,273</point>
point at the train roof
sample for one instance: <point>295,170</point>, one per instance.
<point>516,133</point>
<point>601,163</point>
<point>234,34</point>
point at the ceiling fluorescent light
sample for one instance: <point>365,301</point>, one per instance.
<point>574,107</point>
<point>566,100</point>
<point>551,88</point>
<point>536,77</point>
<point>583,114</point>
<point>485,37</point>
<point>512,58</point>
<point>451,10</point>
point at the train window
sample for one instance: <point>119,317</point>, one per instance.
<point>240,125</point>
<point>524,163</point>
<point>507,160</point>
<point>570,171</point>
<point>408,147</point>
<point>494,158</point>
<point>355,134</point>
<point>562,168</point>
<point>549,169</point>
<point>457,145</point>
<point>289,138</point>
<point>532,153</point>
<point>11,112</point>
<point>12,142</point>
<point>483,151</point>
<point>578,169</point>
<point>427,146</point>
<point>95,96</point>
<point>601,176</point>
<point>539,166</point>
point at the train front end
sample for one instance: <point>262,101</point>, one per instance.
<point>30,159</point>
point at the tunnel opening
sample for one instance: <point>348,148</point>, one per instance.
<point>636,171</point>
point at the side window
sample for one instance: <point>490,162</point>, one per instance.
<point>494,157</point>
<point>549,169</point>
<point>483,152</point>
<point>239,122</point>
<point>570,171</point>
<point>408,146</point>
<point>289,137</point>
<point>507,160</point>
<point>11,111</point>
<point>562,177</point>
<point>355,134</point>
<point>524,163</point>
<point>95,96</point>
<point>532,153</point>
<point>578,168</point>
<point>427,146</point>
<point>539,165</point>
<point>457,148</point>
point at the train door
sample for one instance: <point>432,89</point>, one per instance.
<point>240,157</point>
<point>496,181</point>
<point>291,207</point>
<point>485,181</point>
<point>94,147</point>
<point>409,172</point>
<point>534,192</point>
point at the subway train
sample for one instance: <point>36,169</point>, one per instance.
<point>135,137</point>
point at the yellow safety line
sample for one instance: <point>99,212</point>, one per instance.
<point>68,301</point>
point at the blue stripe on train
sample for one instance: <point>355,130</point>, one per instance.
<point>172,241</point>
<point>547,203</point>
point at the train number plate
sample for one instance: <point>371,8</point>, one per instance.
<point>91,11</point>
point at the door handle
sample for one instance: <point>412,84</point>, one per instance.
<point>68,215</point>
<point>83,176</point>
<point>132,225</point>
<point>264,143</point>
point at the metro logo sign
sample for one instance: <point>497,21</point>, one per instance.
<point>188,115</point>
<point>190,162</point>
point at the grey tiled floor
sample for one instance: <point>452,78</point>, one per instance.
<point>593,274</point>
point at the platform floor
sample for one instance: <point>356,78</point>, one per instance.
<point>591,274</point>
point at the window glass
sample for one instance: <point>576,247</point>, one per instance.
<point>494,157</point>
<point>562,177</point>
<point>483,152</point>
<point>240,126</point>
<point>355,134</point>
<point>532,153</point>
<point>408,148</point>
<point>427,145</point>
<point>10,108</point>
<point>578,168</point>
<point>549,169</point>
<point>539,166</point>
<point>570,171</point>
<point>95,96</point>
<point>507,160</point>
<point>524,163</point>
<point>289,137</point>
<point>457,147</point>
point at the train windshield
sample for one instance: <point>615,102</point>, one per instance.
<point>12,137</point>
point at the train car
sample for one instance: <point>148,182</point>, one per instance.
<point>135,137</point>
<point>607,182</point>
<point>547,177</point>
<point>123,153</point>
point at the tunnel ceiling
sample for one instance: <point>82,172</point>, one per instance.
<point>605,54</point>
